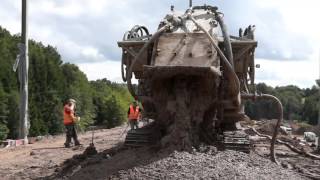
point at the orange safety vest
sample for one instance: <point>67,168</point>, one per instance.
<point>134,113</point>
<point>68,115</point>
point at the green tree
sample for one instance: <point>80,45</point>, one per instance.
<point>3,114</point>
<point>13,114</point>
<point>3,131</point>
<point>311,106</point>
<point>111,102</point>
<point>291,98</point>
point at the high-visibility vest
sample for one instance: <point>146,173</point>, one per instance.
<point>134,113</point>
<point>68,115</point>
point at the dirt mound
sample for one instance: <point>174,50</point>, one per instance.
<point>267,127</point>
<point>80,161</point>
<point>300,128</point>
<point>104,164</point>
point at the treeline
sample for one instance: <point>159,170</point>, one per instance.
<point>51,83</point>
<point>298,104</point>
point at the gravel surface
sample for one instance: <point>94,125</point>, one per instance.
<point>223,165</point>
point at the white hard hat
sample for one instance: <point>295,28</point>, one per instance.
<point>72,101</point>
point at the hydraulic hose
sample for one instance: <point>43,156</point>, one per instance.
<point>227,42</point>
<point>136,32</point>
<point>229,68</point>
<point>142,50</point>
<point>253,97</point>
<point>122,71</point>
<point>140,29</point>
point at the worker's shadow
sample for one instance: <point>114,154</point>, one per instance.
<point>106,164</point>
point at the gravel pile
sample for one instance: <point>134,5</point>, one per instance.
<point>223,165</point>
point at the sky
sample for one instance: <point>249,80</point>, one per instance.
<point>86,32</point>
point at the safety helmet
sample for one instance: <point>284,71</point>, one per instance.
<point>72,101</point>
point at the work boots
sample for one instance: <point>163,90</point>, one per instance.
<point>77,143</point>
<point>66,145</point>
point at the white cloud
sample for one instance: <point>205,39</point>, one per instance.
<point>92,54</point>
<point>107,69</point>
<point>86,32</point>
<point>299,17</point>
<point>70,8</point>
<point>282,72</point>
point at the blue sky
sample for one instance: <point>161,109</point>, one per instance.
<point>85,32</point>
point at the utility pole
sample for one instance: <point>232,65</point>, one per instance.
<point>318,83</point>
<point>318,105</point>
<point>190,3</point>
<point>23,74</point>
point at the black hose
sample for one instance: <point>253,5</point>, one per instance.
<point>124,76</point>
<point>140,29</point>
<point>229,68</point>
<point>253,97</point>
<point>227,42</point>
<point>136,32</point>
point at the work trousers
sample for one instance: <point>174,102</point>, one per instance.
<point>133,123</point>
<point>71,133</point>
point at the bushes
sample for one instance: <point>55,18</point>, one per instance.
<point>111,103</point>
<point>3,131</point>
<point>298,104</point>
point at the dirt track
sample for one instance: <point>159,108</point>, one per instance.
<point>48,159</point>
<point>42,158</point>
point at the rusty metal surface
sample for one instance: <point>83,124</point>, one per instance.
<point>155,72</point>
<point>185,49</point>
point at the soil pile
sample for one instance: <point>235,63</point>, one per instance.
<point>267,127</point>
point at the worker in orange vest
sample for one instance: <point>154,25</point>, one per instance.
<point>69,120</point>
<point>134,115</point>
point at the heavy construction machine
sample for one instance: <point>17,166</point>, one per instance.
<point>191,65</point>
